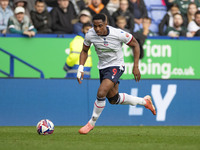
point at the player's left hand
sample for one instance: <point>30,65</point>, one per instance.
<point>136,73</point>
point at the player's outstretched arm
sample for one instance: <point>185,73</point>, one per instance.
<point>136,51</point>
<point>82,60</point>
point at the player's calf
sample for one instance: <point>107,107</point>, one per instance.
<point>115,99</point>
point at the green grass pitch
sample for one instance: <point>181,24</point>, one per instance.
<point>102,138</point>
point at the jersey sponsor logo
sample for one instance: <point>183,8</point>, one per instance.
<point>105,42</point>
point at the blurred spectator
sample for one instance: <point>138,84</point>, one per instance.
<point>5,13</point>
<point>78,5</point>
<point>183,5</point>
<point>169,3</point>
<point>97,7</point>
<point>192,9</point>
<point>194,26</point>
<point>112,6</point>
<point>124,11</point>
<point>177,30</point>
<point>146,23</point>
<point>62,17</point>
<point>72,61</point>
<point>20,23</point>
<point>105,2</point>
<point>138,8</point>
<point>31,5</point>
<point>51,3</point>
<point>84,17</point>
<point>142,34</point>
<point>121,23</point>
<point>22,3</point>
<point>167,21</point>
<point>41,18</point>
<point>87,3</point>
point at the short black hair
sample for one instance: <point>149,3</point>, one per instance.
<point>148,18</point>
<point>88,24</point>
<point>99,17</point>
<point>41,1</point>
<point>197,13</point>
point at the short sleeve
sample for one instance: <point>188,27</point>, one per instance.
<point>87,40</point>
<point>125,37</point>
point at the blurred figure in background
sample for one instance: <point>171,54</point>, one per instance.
<point>112,6</point>
<point>167,20</point>
<point>72,61</point>
<point>169,3</point>
<point>183,5</point>
<point>124,11</point>
<point>146,23</point>
<point>62,17</point>
<point>31,5</point>
<point>192,9</point>
<point>121,23</point>
<point>5,13</point>
<point>143,33</point>
<point>139,10</point>
<point>41,18</point>
<point>194,26</point>
<point>20,23</point>
<point>177,30</point>
<point>97,7</point>
<point>79,5</point>
<point>22,3</point>
<point>84,17</point>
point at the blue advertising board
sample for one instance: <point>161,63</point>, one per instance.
<point>23,102</point>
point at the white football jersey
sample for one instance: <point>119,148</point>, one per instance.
<point>108,48</point>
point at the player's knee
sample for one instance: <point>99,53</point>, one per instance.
<point>114,99</point>
<point>101,93</point>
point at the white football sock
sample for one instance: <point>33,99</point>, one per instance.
<point>98,108</point>
<point>126,99</point>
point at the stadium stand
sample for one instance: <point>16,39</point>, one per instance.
<point>156,11</point>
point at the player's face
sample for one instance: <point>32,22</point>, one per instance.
<point>100,27</point>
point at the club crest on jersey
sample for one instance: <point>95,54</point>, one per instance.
<point>127,35</point>
<point>105,42</point>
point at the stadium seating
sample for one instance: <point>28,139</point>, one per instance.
<point>156,12</point>
<point>154,27</point>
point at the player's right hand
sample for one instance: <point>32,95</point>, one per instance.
<point>136,73</point>
<point>80,73</point>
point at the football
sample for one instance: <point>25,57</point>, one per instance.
<point>45,127</point>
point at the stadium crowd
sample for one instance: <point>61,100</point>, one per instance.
<point>28,17</point>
